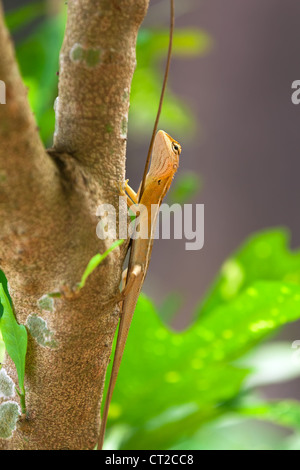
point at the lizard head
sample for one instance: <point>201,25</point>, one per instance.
<point>165,157</point>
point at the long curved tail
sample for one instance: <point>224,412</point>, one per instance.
<point>128,308</point>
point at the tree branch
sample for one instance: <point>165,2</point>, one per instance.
<point>96,67</point>
<point>48,221</point>
<point>18,130</point>
<point>26,171</point>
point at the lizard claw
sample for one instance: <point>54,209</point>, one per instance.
<point>121,189</point>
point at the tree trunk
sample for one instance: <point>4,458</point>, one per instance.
<point>48,203</point>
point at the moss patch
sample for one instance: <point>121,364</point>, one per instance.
<point>9,415</point>
<point>46,303</point>
<point>90,57</point>
<point>124,128</point>
<point>38,329</point>
<point>7,386</point>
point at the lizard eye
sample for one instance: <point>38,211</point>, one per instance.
<point>176,148</point>
<point>159,181</point>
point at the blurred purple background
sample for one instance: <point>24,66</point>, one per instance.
<point>247,147</point>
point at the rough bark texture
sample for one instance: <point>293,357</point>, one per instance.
<point>48,204</point>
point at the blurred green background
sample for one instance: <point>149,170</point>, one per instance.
<point>196,373</point>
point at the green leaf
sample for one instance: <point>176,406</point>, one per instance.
<point>20,17</point>
<point>95,261</point>
<point>170,306</point>
<point>184,188</point>
<point>192,370</point>
<point>38,58</point>
<point>3,281</point>
<point>2,350</point>
<point>271,363</point>
<point>264,257</point>
<point>192,377</point>
<point>152,46</point>
<point>253,315</point>
<point>284,413</point>
<point>186,42</point>
<point>14,337</point>
<point>232,432</point>
<point>167,370</point>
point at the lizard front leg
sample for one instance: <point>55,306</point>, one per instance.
<point>131,193</point>
<point>131,197</point>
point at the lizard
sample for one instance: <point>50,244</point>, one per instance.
<point>155,184</point>
<point>164,164</point>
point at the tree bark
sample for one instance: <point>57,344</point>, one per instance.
<point>48,204</point>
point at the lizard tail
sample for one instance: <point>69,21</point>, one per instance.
<point>125,321</point>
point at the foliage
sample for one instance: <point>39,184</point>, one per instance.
<point>38,59</point>
<point>2,350</point>
<point>264,256</point>
<point>146,84</point>
<point>95,261</point>
<point>194,377</point>
<point>3,281</point>
<point>184,188</point>
<point>14,338</point>
<point>20,17</point>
